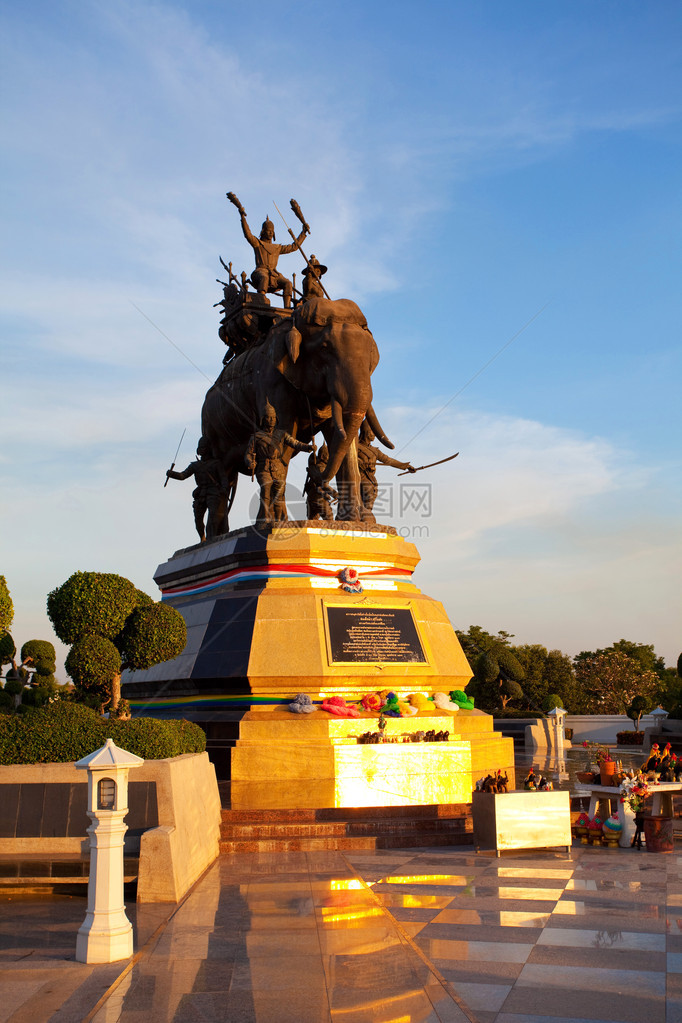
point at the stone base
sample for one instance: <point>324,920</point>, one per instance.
<point>257,606</point>
<point>105,945</point>
<point>268,617</point>
<point>279,749</point>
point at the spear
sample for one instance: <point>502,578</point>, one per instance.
<point>297,210</point>
<point>431,464</point>
<point>176,456</point>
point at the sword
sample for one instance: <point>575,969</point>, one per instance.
<point>430,465</point>
<point>311,268</point>
<point>176,455</point>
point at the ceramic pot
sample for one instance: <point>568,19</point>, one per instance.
<point>607,771</point>
<point>658,834</point>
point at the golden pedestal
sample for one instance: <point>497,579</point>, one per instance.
<point>268,616</point>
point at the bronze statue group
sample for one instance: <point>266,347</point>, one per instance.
<point>246,322</point>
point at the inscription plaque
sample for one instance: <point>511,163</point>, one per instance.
<point>367,635</point>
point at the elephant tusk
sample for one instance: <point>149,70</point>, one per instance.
<point>371,417</point>
<point>337,417</point>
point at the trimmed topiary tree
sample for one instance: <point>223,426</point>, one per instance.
<point>91,604</point>
<point>497,673</point>
<point>92,663</point>
<point>551,701</point>
<point>640,705</point>
<point>7,649</point>
<point>112,626</point>
<point>6,607</point>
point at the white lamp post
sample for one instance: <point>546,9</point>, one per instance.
<point>557,717</point>
<point>106,934</point>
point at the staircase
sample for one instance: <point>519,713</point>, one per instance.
<point>398,827</point>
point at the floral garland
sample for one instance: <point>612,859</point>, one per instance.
<point>350,580</point>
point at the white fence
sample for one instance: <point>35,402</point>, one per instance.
<point>603,727</point>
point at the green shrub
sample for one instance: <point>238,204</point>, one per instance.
<point>64,732</point>
<point>551,701</point>
<point>7,648</point>
<point>41,655</point>
<point>6,606</point>
<point>92,662</point>
<point>154,633</point>
<point>89,603</point>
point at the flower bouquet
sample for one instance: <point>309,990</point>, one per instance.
<point>633,793</point>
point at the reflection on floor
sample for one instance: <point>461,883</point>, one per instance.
<point>399,936</point>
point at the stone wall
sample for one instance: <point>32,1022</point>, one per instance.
<point>173,822</point>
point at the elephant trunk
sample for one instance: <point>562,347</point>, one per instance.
<point>377,430</point>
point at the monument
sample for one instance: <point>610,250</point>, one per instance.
<point>313,628</point>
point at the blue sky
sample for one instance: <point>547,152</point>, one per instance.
<point>467,169</point>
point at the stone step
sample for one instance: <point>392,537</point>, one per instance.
<point>430,811</point>
<point>296,844</point>
<point>417,828</point>
<point>384,827</point>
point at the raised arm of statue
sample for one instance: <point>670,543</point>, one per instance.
<point>294,246</point>
<point>247,231</point>
<point>242,213</point>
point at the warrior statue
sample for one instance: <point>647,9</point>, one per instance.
<point>312,286</point>
<point>212,492</point>
<point>319,495</point>
<point>264,458</point>
<point>368,455</point>
<point>266,277</point>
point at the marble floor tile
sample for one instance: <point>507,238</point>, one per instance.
<point>553,873</point>
<point>513,1017</point>
<point>479,972</point>
<point>612,982</point>
<point>453,950</point>
<point>573,1002</point>
<point>586,958</point>
<point>610,937</point>
<point>413,899</point>
<point>490,997</point>
<point>482,932</point>
<point>518,892</point>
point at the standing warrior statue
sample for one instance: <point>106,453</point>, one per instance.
<point>212,492</point>
<point>319,495</point>
<point>266,277</point>
<point>367,464</point>
<point>264,457</point>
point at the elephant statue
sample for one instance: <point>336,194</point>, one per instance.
<point>314,368</point>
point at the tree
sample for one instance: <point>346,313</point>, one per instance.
<point>6,607</point>
<point>111,626</point>
<point>560,679</point>
<point>611,680</point>
<point>533,660</point>
<point>640,705</point>
<point>496,677</point>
